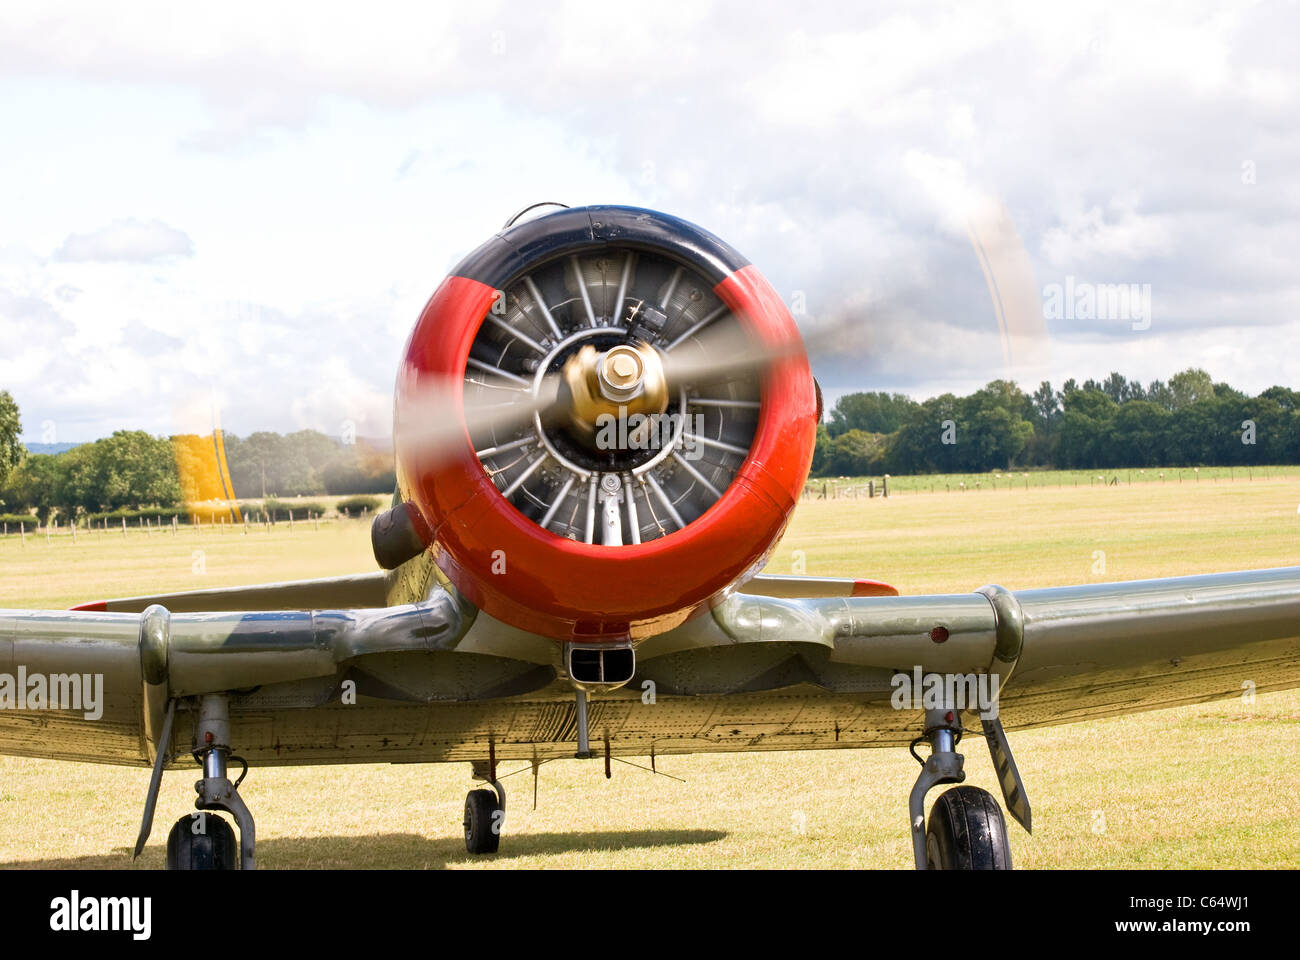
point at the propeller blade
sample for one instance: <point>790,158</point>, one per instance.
<point>723,351</point>
<point>427,427</point>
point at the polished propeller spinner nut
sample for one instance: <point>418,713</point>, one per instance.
<point>620,373</point>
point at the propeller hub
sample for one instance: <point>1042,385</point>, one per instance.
<point>625,379</point>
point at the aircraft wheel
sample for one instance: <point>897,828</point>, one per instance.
<point>967,832</point>
<point>483,820</point>
<point>202,842</point>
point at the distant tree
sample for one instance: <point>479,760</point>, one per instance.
<point>920,444</point>
<point>253,462</point>
<point>1138,435</point>
<point>855,454</point>
<point>1046,406</point>
<point>1285,399</point>
<point>997,428</point>
<point>1045,415</point>
<point>1122,390</point>
<point>1160,394</point>
<point>1086,430</point>
<point>35,485</point>
<point>361,468</point>
<point>1197,434</point>
<point>1115,387</point>
<point>270,464</point>
<point>11,428</point>
<point>821,450</point>
<point>1224,392</point>
<point>1191,385</point>
<point>128,469</point>
<point>869,412</point>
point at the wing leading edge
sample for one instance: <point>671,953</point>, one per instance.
<point>325,593</point>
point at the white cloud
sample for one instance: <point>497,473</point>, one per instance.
<point>1120,232</point>
<point>329,167</point>
<point>133,241</point>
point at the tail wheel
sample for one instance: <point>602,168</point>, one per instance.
<point>483,821</point>
<point>967,832</point>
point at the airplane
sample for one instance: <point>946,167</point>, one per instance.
<point>604,418</point>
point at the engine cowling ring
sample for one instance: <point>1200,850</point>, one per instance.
<point>507,564</point>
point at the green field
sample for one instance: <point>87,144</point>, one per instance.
<point>1201,786</point>
<point>1020,479</point>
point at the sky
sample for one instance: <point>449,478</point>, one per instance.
<point>237,214</point>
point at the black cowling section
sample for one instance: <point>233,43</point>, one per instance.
<point>581,229</point>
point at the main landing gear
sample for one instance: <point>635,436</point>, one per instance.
<point>966,829</point>
<point>202,840</point>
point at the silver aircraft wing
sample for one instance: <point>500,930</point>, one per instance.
<point>439,680</point>
<point>1061,653</point>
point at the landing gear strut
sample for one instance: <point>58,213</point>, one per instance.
<point>201,841</point>
<point>966,829</point>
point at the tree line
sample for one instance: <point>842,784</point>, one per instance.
<point>1188,421</point>
<point>132,469</point>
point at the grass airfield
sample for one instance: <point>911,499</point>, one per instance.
<point>1201,786</point>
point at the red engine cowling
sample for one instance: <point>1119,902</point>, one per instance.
<point>511,517</point>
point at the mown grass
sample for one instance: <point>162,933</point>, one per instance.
<point>1201,786</point>
<point>1019,479</point>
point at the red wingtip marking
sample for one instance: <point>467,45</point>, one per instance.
<point>97,606</point>
<point>873,588</point>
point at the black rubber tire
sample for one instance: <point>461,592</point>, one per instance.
<point>482,822</point>
<point>967,832</point>
<point>213,849</point>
